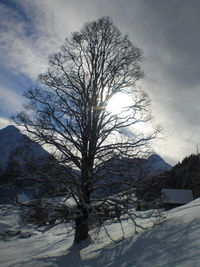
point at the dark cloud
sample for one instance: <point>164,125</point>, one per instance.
<point>169,37</point>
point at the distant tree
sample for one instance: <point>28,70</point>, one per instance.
<point>68,111</point>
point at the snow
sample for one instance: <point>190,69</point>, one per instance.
<point>175,242</point>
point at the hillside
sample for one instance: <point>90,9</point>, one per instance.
<point>184,175</point>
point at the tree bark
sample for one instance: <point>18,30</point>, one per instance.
<point>81,229</point>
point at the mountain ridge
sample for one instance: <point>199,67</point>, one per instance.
<point>17,149</point>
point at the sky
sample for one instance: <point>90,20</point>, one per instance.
<point>168,32</point>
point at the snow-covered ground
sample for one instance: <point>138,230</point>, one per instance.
<point>175,242</point>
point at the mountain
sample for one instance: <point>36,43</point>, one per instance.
<point>120,174</point>
<point>15,145</point>
<point>20,158</point>
<point>157,165</point>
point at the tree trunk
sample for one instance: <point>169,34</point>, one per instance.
<point>82,222</point>
<point>81,229</point>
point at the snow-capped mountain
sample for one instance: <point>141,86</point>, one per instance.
<point>15,145</point>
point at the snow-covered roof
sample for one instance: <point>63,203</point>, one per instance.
<point>176,196</point>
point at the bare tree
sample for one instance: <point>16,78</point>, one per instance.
<point>68,110</point>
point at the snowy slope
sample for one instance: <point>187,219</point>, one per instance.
<point>175,242</point>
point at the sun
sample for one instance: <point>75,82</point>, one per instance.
<point>119,103</point>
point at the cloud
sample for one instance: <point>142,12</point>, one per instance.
<point>167,32</point>
<point>25,45</point>
<point>10,102</point>
<point>33,30</point>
